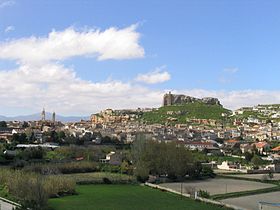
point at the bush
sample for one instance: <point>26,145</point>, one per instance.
<point>33,190</point>
<point>59,185</point>
<point>270,174</point>
<point>204,194</point>
<point>207,172</point>
<point>63,168</point>
<point>106,181</point>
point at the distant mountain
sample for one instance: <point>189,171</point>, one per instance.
<point>37,116</point>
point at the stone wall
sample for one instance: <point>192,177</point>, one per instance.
<point>173,99</point>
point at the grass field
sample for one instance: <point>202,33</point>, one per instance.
<point>124,197</point>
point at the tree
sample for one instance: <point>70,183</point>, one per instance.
<point>31,138</point>
<point>3,124</point>
<point>162,159</point>
<point>61,135</point>
<point>248,156</point>
<point>25,124</point>
<point>22,138</point>
<point>256,160</point>
<point>15,137</point>
<point>54,136</point>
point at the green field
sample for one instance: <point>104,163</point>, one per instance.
<point>184,112</point>
<point>122,197</point>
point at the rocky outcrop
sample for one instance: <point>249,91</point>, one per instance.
<point>172,99</point>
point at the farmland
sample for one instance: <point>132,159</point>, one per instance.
<point>123,197</point>
<point>220,185</point>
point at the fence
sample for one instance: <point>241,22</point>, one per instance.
<point>195,197</point>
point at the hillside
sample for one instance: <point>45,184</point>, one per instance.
<point>184,112</point>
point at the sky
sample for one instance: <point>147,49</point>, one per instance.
<point>79,57</point>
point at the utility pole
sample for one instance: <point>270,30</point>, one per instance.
<point>181,190</point>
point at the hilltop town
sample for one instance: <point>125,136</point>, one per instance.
<point>211,138</point>
<point>196,123</point>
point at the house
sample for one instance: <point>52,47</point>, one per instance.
<point>6,133</point>
<point>193,145</point>
<point>262,147</point>
<point>112,158</point>
<point>231,142</point>
<point>231,167</point>
<point>276,149</point>
<point>246,148</point>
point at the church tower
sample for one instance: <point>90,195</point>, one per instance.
<point>43,115</point>
<point>53,117</point>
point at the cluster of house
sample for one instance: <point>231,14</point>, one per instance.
<point>270,111</point>
<point>110,116</point>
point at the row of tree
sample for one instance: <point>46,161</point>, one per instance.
<point>164,159</point>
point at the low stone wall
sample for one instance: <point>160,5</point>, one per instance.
<point>167,189</point>
<point>10,202</point>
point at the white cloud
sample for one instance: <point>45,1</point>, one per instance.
<point>112,43</point>
<point>231,70</point>
<point>228,75</point>
<point>39,81</point>
<point>9,29</point>
<point>154,77</point>
<point>57,88</point>
<point>236,99</point>
<point>6,3</point>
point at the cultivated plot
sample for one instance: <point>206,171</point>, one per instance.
<point>218,185</point>
<point>252,202</point>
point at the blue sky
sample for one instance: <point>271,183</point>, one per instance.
<point>225,49</point>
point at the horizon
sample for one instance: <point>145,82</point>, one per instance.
<point>128,54</point>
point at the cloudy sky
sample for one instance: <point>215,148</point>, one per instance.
<point>79,57</point>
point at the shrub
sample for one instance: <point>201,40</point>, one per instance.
<point>207,172</point>
<point>64,168</point>
<point>270,174</point>
<point>59,185</point>
<point>33,190</point>
<point>204,194</point>
<point>106,180</point>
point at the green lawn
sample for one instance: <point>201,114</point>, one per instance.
<point>122,197</point>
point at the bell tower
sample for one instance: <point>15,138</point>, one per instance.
<point>53,117</point>
<point>43,115</point>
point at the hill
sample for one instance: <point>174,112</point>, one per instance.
<point>183,112</point>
